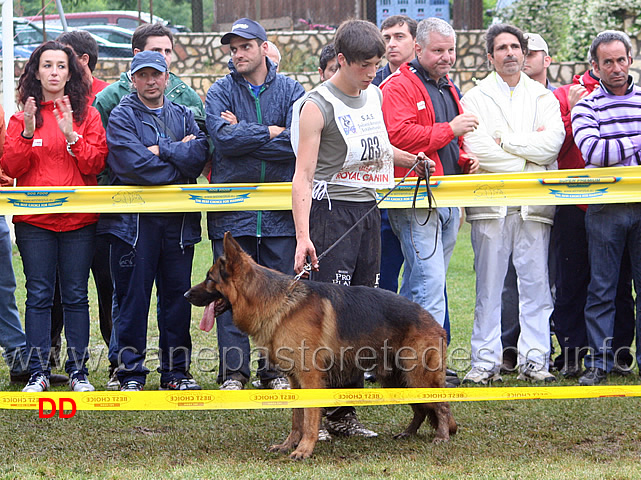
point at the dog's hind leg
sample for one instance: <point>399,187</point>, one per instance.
<point>442,420</point>
<point>294,436</point>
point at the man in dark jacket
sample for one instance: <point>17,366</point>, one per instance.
<point>248,115</point>
<point>153,141</point>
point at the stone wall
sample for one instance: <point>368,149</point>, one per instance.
<point>200,59</point>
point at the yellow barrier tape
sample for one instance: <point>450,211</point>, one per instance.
<point>556,187</point>
<point>269,399</point>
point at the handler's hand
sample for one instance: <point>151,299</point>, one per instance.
<point>420,168</point>
<point>154,149</point>
<point>305,249</point>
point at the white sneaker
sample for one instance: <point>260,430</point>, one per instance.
<point>231,384</point>
<point>38,382</point>
<point>534,372</point>
<point>278,383</point>
<point>483,376</point>
<point>79,383</point>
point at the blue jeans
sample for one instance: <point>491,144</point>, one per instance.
<point>12,338</point>
<point>276,253</point>
<point>424,278</point>
<point>156,257</point>
<point>610,228</point>
<point>43,251</point>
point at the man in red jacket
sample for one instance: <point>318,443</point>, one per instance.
<point>422,114</point>
<point>570,245</point>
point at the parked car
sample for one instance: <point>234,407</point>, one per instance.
<point>28,35</point>
<point>20,51</point>
<point>122,18</point>
<point>111,33</point>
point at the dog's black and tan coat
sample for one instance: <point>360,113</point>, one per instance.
<point>320,332</point>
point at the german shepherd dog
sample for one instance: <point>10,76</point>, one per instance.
<point>321,322</point>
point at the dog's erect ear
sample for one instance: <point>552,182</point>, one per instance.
<point>231,249</point>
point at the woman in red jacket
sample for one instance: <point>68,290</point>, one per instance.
<point>57,140</point>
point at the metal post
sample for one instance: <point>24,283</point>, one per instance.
<point>61,13</point>
<point>8,82</point>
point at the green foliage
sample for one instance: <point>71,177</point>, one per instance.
<point>488,6</point>
<point>570,26</point>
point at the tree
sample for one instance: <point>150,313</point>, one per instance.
<point>569,26</point>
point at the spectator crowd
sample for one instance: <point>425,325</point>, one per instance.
<point>540,271</point>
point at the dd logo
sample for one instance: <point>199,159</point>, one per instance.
<point>51,405</point>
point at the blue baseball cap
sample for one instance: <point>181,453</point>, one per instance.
<point>245,28</point>
<point>148,58</point>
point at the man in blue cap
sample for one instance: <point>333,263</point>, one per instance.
<point>248,116</point>
<point>153,141</point>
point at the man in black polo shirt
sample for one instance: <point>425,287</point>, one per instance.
<point>422,114</point>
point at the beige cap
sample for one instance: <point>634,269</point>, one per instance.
<point>535,42</point>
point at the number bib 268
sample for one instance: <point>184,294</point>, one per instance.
<point>369,161</point>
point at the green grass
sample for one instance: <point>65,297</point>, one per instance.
<point>537,439</point>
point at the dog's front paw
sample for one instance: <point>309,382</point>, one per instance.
<point>301,453</point>
<point>401,435</point>
<point>281,447</point>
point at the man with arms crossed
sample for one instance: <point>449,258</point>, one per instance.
<point>249,113</point>
<point>607,130</point>
<point>520,129</point>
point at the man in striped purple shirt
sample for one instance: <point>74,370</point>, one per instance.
<point>607,130</point>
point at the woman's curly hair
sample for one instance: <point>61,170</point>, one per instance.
<point>76,87</point>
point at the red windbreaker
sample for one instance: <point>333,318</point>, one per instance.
<point>570,155</point>
<point>410,121</point>
<point>44,161</point>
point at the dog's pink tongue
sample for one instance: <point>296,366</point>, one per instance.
<point>208,320</point>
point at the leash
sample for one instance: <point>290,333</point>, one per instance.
<point>308,266</point>
<point>430,209</point>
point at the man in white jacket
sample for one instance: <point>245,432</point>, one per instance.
<point>520,129</point>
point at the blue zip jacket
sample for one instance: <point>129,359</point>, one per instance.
<point>131,129</point>
<point>244,153</point>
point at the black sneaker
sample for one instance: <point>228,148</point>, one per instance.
<point>370,377</point>
<point>571,370</point>
<point>180,384</point>
<point>593,376</point>
<point>621,369</point>
<point>131,386</point>
<point>451,378</point>
<point>348,426</point>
